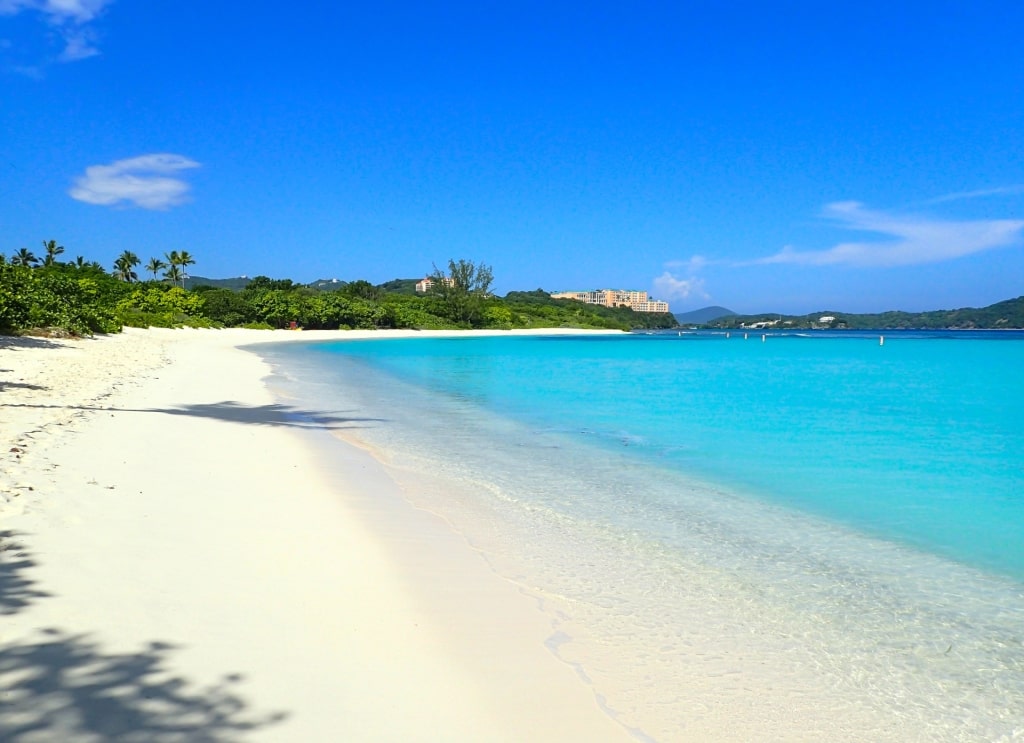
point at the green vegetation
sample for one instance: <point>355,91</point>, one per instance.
<point>461,294</point>
<point>1006,314</point>
<point>536,309</point>
<point>73,299</point>
<point>80,297</point>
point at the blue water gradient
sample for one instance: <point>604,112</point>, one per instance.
<point>919,440</point>
<point>830,521</point>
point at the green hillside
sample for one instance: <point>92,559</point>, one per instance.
<point>1001,315</point>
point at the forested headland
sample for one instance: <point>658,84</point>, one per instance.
<point>1001,315</point>
<point>47,295</point>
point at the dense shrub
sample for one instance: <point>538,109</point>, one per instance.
<point>224,306</point>
<point>162,306</point>
<point>54,298</point>
<point>82,298</point>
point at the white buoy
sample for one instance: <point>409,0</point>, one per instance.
<point>764,337</point>
<point>881,340</point>
<point>727,335</point>
<point>744,336</point>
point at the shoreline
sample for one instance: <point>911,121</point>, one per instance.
<point>752,620</point>
<point>176,557</point>
<point>188,544</point>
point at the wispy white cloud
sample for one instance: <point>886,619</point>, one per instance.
<point>908,239</point>
<point>692,266</point>
<point>146,181</point>
<point>977,194</point>
<point>78,45</point>
<point>58,11</point>
<point>671,286</point>
<point>69,17</point>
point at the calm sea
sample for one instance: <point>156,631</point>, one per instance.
<point>822,523</point>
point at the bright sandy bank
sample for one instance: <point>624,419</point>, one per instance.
<point>176,564</point>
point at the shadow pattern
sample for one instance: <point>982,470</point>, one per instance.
<point>265,415</point>
<point>235,412</point>
<point>65,688</point>
<point>23,341</point>
<point>20,385</point>
<point>17,590</point>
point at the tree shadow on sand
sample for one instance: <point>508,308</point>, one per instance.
<point>17,342</point>
<point>17,590</point>
<point>235,412</point>
<point>20,385</point>
<point>265,415</point>
<point>65,687</point>
<point>59,686</point>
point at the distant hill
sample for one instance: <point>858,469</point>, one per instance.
<point>701,316</point>
<point>400,286</point>
<point>1006,314</point>
<point>237,283</point>
<point>328,285</point>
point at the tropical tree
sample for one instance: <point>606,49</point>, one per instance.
<point>81,264</point>
<point>362,289</point>
<point>181,260</point>
<point>173,273</point>
<point>460,293</point>
<point>155,266</point>
<point>185,260</point>
<point>124,266</point>
<point>52,251</point>
<point>24,257</point>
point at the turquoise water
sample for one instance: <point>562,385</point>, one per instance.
<point>856,507</point>
<point>919,440</point>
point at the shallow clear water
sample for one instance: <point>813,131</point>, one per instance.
<point>720,509</point>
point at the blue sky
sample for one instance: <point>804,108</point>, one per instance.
<point>787,156</point>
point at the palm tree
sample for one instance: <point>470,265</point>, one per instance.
<point>80,262</point>
<point>173,273</point>
<point>173,262</point>
<point>185,260</point>
<point>24,257</point>
<point>124,265</point>
<point>52,251</point>
<point>181,260</point>
<point>155,266</point>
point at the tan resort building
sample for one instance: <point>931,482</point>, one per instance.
<point>636,301</point>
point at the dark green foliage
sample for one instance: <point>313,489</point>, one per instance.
<point>56,297</point>
<point>400,286</point>
<point>411,311</point>
<point>537,309</point>
<point>261,283</point>
<point>362,290</point>
<point>275,307</point>
<point>52,250</point>
<point>1006,314</point>
<point>238,283</point>
<point>16,296</point>
<point>223,306</point>
<point>24,257</point>
<point>124,266</point>
<point>460,293</point>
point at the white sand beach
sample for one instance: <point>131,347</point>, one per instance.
<point>177,564</point>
